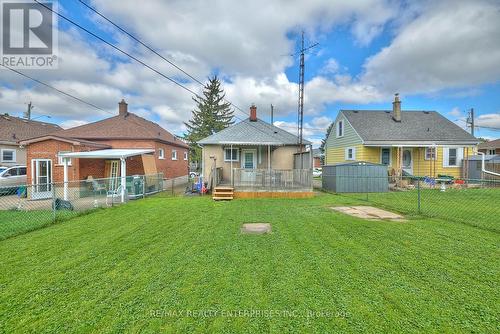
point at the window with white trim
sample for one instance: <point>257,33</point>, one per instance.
<point>8,155</point>
<point>452,156</point>
<point>60,160</point>
<point>174,155</point>
<point>430,153</point>
<point>231,154</point>
<point>340,128</point>
<point>491,152</point>
<point>185,155</point>
<point>161,153</point>
<point>350,153</point>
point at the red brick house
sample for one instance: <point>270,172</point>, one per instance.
<point>115,147</point>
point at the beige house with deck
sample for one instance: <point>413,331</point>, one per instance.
<point>253,156</point>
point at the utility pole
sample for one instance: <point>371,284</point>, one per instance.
<point>272,114</point>
<point>470,121</point>
<point>27,114</point>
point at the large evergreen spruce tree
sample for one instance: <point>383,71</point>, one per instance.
<point>212,114</point>
<point>323,142</point>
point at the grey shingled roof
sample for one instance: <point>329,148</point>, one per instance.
<point>420,126</point>
<point>14,129</point>
<point>247,132</point>
<point>492,144</point>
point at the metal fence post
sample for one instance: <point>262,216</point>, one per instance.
<point>173,184</point>
<point>418,192</point>
<point>52,185</point>
<point>143,186</point>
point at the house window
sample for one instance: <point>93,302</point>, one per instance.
<point>185,155</point>
<point>340,128</point>
<point>430,153</point>
<point>452,157</point>
<point>350,153</point>
<point>161,153</point>
<point>385,156</point>
<point>8,155</point>
<point>174,155</point>
<point>60,160</point>
<point>491,152</point>
<point>231,154</point>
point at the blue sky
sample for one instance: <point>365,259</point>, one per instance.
<point>436,58</point>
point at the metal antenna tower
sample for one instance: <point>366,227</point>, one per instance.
<point>300,114</point>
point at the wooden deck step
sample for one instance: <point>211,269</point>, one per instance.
<point>215,198</point>
<point>222,193</point>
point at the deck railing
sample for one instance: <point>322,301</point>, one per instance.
<point>272,179</point>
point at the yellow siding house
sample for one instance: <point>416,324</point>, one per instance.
<point>419,143</point>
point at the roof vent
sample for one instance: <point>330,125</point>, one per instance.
<point>426,112</point>
<point>355,111</point>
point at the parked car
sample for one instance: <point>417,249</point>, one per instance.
<point>317,172</point>
<point>11,178</point>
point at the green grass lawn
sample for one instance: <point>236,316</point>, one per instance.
<point>476,207</point>
<point>14,222</point>
<point>154,265</point>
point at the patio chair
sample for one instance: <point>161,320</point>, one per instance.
<point>116,193</point>
<point>98,187</point>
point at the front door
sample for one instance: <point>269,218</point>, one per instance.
<point>249,164</point>
<point>407,161</point>
<point>249,159</point>
<point>41,178</point>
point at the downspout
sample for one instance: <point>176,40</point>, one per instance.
<point>202,164</point>
<point>483,168</point>
<point>65,178</point>
<point>232,176</point>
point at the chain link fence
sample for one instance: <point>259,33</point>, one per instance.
<point>468,201</point>
<point>29,207</point>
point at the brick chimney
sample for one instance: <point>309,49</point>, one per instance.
<point>253,113</point>
<point>122,108</point>
<point>396,108</point>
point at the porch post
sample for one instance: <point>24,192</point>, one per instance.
<point>311,156</point>
<point>65,178</point>
<point>269,158</point>
<point>123,169</point>
<point>224,152</point>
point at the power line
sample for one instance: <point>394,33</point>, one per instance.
<point>141,62</point>
<point>117,48</point>
<point>150,48</point>
<point>54,88</point>
<point>139,41</point>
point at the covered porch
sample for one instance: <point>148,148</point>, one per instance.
<point>421,159</point>
<point>258,168</point>
<point>110,164</point>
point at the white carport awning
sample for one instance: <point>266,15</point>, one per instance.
<point>112,153</point>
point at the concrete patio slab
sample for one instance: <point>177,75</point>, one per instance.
<point>369,212</point>
<point>256,228</point>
